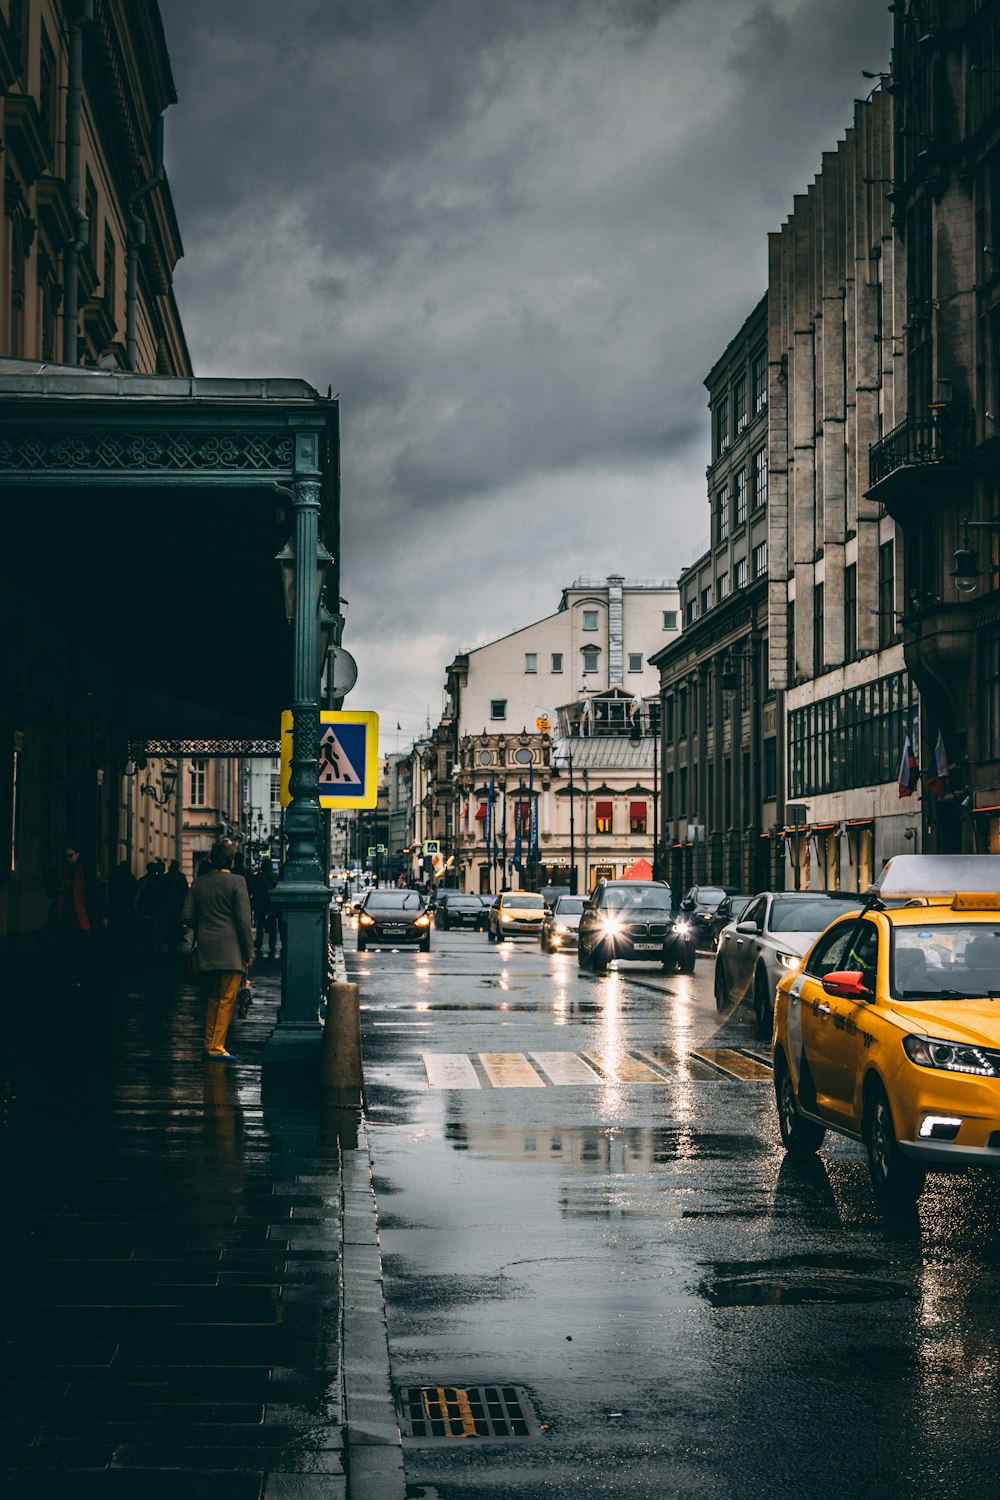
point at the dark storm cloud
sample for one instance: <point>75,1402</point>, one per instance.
<point>514,236</point>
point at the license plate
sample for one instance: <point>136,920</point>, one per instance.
<point>647,947</point>
<point>393,929</point>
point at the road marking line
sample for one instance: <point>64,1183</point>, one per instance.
<point>565,1067</point>
<point>683,1067</point>
<point>737,1064</point>
<point>510,1070</point>
<point>450,1070</point>
<point>623,1068</point>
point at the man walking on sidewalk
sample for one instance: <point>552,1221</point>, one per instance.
<point>218,908</point>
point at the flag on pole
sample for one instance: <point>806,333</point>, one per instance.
<point>938,770</point>
<point>907,778</point>
<point>635,717</point>
<point>585,718</point>
<point>516,861</point>
<point>534,816</point>
<point>489,818</point>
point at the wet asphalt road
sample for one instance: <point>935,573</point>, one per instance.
<point>686,1311</point>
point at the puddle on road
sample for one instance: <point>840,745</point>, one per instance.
<point>611,1149</point>
<point>795,1281</point>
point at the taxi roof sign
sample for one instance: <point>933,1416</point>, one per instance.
<point>939,874</point>
<point>348,759</point>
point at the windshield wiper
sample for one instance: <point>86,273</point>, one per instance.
<point>937,995</point>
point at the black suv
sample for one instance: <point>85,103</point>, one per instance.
<point>632,919</point>
<point>699,906</point>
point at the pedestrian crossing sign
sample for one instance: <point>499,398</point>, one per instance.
<point>348,759</point>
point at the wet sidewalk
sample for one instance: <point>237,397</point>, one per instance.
<point>172,1253</point>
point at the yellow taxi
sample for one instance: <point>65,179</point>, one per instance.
<point>514,913</point>
<point>889,1030</point>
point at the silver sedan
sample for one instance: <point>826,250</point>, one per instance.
<point>772,935</point>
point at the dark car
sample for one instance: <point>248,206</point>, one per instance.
<point>456,909</point>
<point>699,906</point>
<point>394,917</point>
<point>728,910</point>
<point>561,923</point>
<point>551,893</point>
<point>634,920</point>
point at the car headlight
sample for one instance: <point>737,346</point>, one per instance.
<point>366,920</point>
<point>611,925</point>
<point>423,921</point>
<point>789,960</point>
<point>504,917</point>
<point>561,930</point>
<point>952,1057</point>
<point>682,929</point>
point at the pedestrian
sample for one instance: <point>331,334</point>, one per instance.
<point>204,865</point>
<point>240,869</point>
<point>217,907</point>
<point>265,916</point>
<point>149,906</point>
<point>121,907</point>
<point>174,890</point>
<point>72,917</point>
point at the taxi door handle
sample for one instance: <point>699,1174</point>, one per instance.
<point>823,1009</point>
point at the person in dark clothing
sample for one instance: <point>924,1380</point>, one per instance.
<point>173,890</point>
<point>72,918</point>
<point>265,916</point>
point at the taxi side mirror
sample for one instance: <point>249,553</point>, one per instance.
<point>847,984</point>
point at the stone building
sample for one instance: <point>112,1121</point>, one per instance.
<point>936,468</point>
<point>721,745</point>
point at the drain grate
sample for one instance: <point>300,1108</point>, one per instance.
<point>457,1411</point>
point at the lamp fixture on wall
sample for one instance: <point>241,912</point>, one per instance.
<point>168,785</point>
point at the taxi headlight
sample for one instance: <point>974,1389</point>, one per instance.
<point>504,917</point>
<point>952,1057</point>
<point>788,960</point>
<point>366,920</point>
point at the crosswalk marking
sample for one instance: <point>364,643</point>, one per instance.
<point>510,1070</point>
<point>565,1067</point>
<point>450,1070</point>
<point>623,1068</point>
<point>736,1063</point>
<point>516,1070</point>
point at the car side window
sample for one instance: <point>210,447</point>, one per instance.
<point>755,913</point>
<point>862,957</point>
<point>830,952</point>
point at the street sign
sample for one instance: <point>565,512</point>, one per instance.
<point>348,759</point>
<point>372,851</point>
<point>381,849</point>
<point>344,669</point>
<point>432,846</point>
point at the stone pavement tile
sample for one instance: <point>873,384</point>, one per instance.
<point>376,1473</point>
<point>304,1487</point>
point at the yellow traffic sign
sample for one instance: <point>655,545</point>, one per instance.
<point>348,759</point>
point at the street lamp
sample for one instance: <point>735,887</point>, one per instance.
<point>168,785</point>
<point>967,571</point>
<point>286,561</point>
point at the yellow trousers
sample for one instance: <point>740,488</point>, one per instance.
<point>223,985</point>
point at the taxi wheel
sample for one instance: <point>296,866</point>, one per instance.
<point>897,1182</point>
<point>798,1136</point>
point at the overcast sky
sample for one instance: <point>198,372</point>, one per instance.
<point>514,235</point>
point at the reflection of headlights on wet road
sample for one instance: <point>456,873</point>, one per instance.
<point>611,926</point>
<point>682,929</point>
<point>788,960</point>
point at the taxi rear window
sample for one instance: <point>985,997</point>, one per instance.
<point>946,961</point>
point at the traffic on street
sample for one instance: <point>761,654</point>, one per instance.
<point>587,1216</point>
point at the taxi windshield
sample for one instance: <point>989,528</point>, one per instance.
<point>526,903</point>
<point>946,961</point>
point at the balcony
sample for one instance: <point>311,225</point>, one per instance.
<point>919,454</point>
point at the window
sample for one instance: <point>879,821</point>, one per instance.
<point>498,708</point>
<point>851,739</point>
<point>690,611</point>
<point>740,403</point>
<point>770,768</point>
<point>790,642</point>
<point>886,594</point>
<point>850,611</point>
<point>722,425</point>
<point>682,790</point>
<point>989,695</point>
<point>603,817</point>
<point>48,100</point>
<point>590,619</point>
<point>740,573</point>
<point>90,202</point>
<point>635,661</point>
<point>706,600</point>
<point>760,560</point>
<point>108,287</point>
<point>531,661</point>
<point>589,659</point>
<point>670,619</point>
<point>758,378</point>
<point>557,661</point>
<point>760,479</point>
<point>668,718</point>
<point>831,951</point>
<point>722,514</point>
<point>668,793</point>
<point>198,773</point>
<point>741,496</point>
<point>818,624</point>
<point>637,817</point>
<point>721,587</point>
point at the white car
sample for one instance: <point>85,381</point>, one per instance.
<point>561,924</point>
<point>774,932</point>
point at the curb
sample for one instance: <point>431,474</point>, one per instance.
<point>374,1449</point>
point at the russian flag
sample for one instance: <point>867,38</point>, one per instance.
<point>938,770</point>
<point>907,778</point>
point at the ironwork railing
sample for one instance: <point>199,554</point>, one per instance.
<point>944,437</point>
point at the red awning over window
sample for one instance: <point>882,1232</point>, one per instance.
<point>603,809</point>
<point>481,813</point>
<point>637,809</point>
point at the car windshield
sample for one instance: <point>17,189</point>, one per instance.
<point>950,961</point>
<point>526,903</point>
<point>647,897</point>
<point>570,906</point>
<point>393,901</point>
<point>469,901</point>
<point>710,895</point>
<point>808,913</point>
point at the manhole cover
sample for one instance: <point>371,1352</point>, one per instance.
<point>458,1411</point>
<point>791,1289</point>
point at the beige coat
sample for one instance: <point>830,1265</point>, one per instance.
<point>218,908</point>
